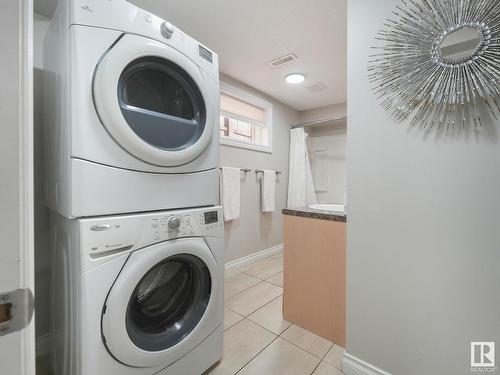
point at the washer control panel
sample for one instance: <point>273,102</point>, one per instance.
<point>204,222</point>
<point>171,226</point>
<point>127,232</point>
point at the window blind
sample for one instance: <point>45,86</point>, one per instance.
<point>242,109</point>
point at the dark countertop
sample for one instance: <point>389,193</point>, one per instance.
<point>315,214</point>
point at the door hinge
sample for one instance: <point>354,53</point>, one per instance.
<point>16,310</point>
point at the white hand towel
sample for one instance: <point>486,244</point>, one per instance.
<point>268,184</point>
<point>231,192</point>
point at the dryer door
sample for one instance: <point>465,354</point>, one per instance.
<point>154,101</point>
<point>162,304</point>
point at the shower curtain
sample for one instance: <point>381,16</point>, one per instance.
<point>300,185</point>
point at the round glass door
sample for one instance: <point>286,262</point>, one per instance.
<point>168,302</point>
<point>161,103</point>
<point>155,102</point>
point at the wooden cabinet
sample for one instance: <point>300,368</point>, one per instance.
<point>315,276</point>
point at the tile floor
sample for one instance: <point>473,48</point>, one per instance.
<point>256,338</point>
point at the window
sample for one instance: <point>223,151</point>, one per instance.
<point>245,120</point>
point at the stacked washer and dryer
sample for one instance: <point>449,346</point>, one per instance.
<point>132,181</point>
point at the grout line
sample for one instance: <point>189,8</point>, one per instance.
<point>251,321</point>
<point>267,280</point>
<point>283,338</point>
<point>241,316</point>
<point>307,351</point>
<point>323,359</point>
<point>274,299</point>
<point>263,327</point>
<point>328,351</point>
<point>319,363</point>
<point>241,291</point>
<point>268,277</point>
<point>247,317</point>
<point>244,290</point>
<point>257,354</point>
<point>262,306</point>
<point>264,348</point>
<point>234,311</point>
<point>253,311</point>
<point>334,366</point>
<point>250,265</point>
<point>250,287</point>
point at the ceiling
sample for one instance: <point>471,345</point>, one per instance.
<point>247,34</point>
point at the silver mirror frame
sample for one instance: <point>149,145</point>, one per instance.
<point>412,79</point>
<point>485,36</point>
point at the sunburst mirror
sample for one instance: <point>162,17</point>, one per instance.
<point>438,63</point>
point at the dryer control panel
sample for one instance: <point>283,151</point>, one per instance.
<point>129,232</point>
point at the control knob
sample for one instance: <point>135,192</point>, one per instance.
<point>174,223</point>
<point>167,29</point>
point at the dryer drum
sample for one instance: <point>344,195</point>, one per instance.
<point>161,103</point>
<point>168,302</point>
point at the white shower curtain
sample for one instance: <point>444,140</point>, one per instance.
<point>300,185</point>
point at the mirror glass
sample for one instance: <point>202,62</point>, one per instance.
<point>460,44</point>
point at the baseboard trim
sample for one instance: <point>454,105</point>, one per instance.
<point>352,365</point>
<point>254,257</point>
<point>43,344</point>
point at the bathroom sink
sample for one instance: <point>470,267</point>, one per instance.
<point>328,207</point>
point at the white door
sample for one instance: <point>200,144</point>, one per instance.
<point>17,341</point>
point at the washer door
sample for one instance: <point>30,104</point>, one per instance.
<point>153,101</point>
<point>162,304</point>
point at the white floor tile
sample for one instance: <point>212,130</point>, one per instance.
<point>281,357</point>
<point>254,298</point>
<point>270,316</point>
<point>306,340</point>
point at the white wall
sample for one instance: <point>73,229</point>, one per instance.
<point>40,27</point>
<point>255,231</point>
<point>42,263</point>
<point>423,235</point>
<point>332,139</point>
<point>331,111</point>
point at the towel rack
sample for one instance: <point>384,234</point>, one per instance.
<point>261,171</point>
<point>244,170</point>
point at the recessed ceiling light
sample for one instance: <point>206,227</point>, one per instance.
<point>295,78</point>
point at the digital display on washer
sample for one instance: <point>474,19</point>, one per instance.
<point>211,217</point>
<point>205,53</point>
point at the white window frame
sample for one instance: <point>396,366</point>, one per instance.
<point>254,100</point>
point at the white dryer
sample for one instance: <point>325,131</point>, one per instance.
<point>138,294</point>
<point>132,112</point>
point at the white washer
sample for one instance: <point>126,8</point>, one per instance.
<point>138,294</point>
<point>132,112</point>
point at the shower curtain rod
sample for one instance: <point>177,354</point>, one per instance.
<point>318,122</point>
